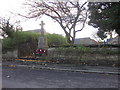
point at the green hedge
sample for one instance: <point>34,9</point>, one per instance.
<point>24,37</point>
<point>10,43</point>
<point>56,40</point>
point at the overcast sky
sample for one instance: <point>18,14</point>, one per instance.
<point>7,6</point>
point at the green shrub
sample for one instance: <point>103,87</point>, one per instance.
<point>21,37</point>
<point>8,43</point>
<point>24,37</point>
<point>56,40</point>
<point>18,38</point>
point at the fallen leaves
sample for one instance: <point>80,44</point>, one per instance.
<point>33,60</point>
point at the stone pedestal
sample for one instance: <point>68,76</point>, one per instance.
<point>42,43</point>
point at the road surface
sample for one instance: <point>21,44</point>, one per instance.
<point>23,77</point>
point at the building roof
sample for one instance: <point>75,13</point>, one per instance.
<point>36,30</point>
<point>85,41</point>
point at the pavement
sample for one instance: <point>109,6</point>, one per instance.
<point>64,67</point>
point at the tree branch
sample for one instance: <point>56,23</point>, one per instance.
<point>83,23</point>
<point>67,14</point>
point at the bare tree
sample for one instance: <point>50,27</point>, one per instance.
<point>67,13</point>
<point>7,28</point>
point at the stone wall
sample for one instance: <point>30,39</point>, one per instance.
<point>27,49</point>
<point>10,54</point>
<point>83,58</point>
<point>23,50</point>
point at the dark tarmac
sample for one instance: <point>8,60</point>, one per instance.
<point>14,76</point>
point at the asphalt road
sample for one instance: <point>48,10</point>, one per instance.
<point>23,77</point>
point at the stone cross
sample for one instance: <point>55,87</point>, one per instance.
<point>42,28</point>
<point>42,41</point>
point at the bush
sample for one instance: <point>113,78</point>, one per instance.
<point>8,43</point>
<point>56,40</point>
<point>22,37</point>
<point>30,37</point>
<point>17,39</point>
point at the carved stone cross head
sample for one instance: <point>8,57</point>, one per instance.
<point>42,25</point>
<point>42,28</point>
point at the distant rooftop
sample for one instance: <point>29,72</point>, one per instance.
<point>85,41</point>
<point>35,30</point>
